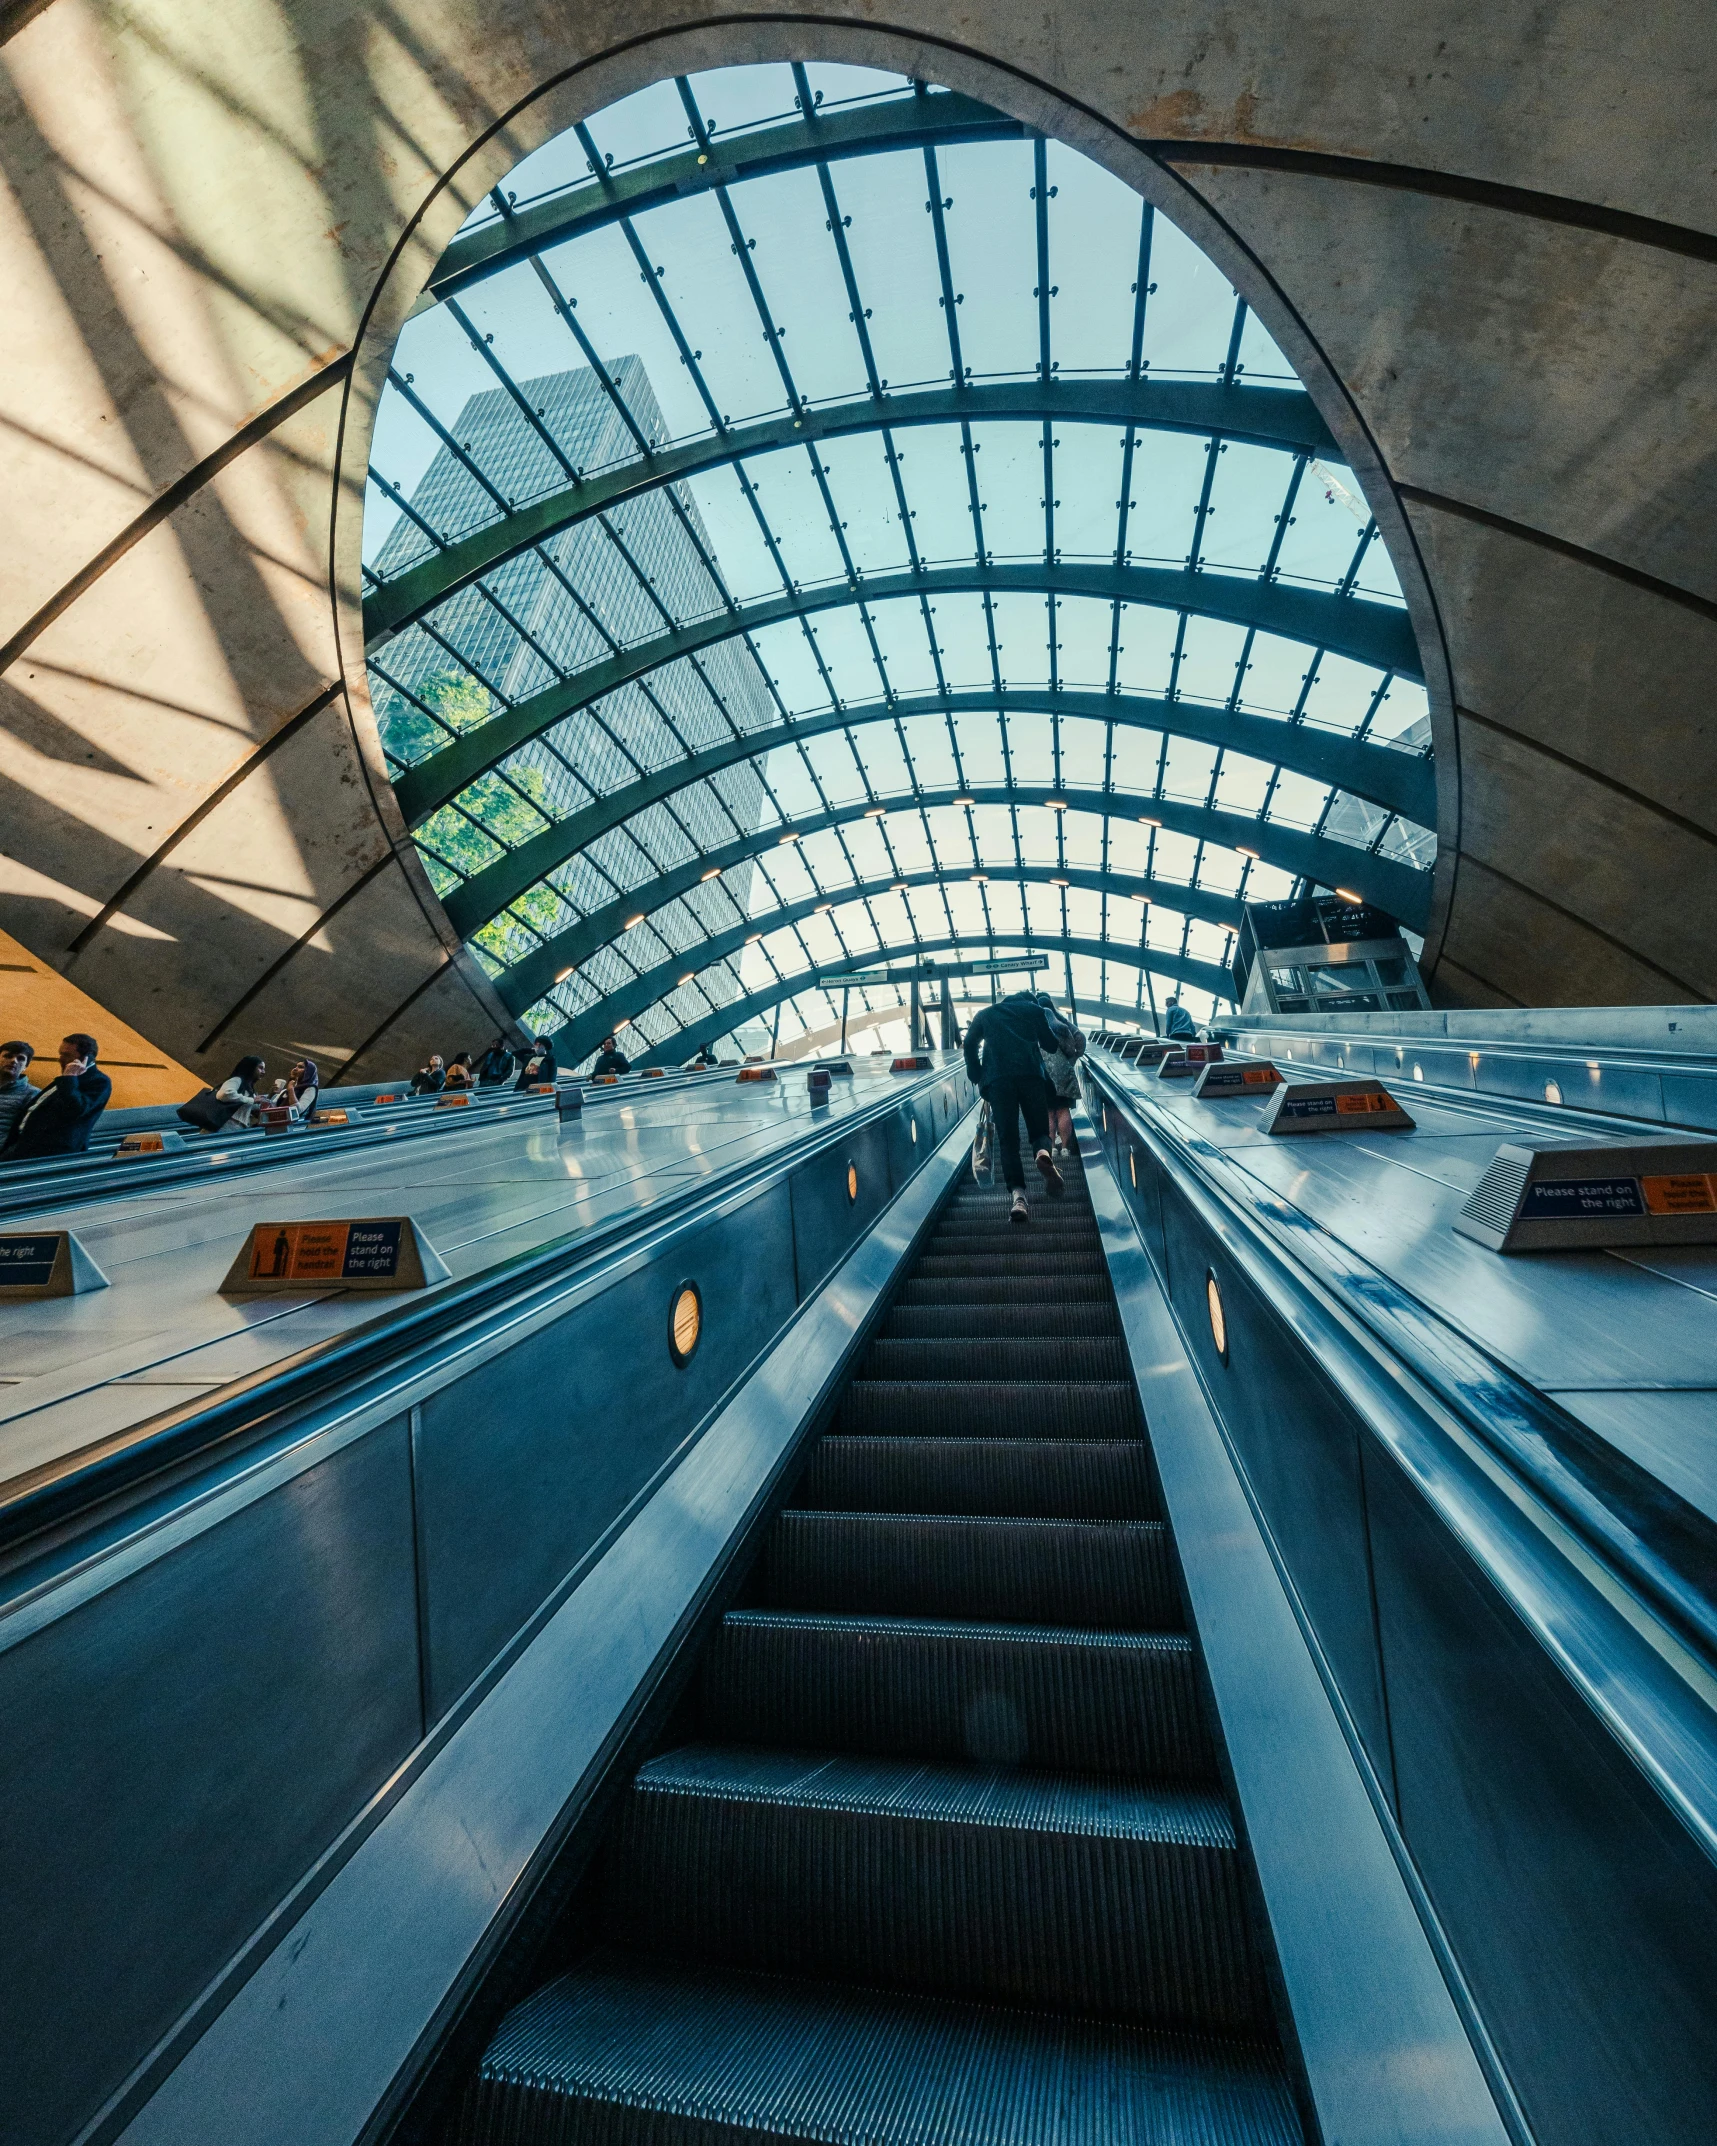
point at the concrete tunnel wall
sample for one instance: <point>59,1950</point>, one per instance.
<point>1490,246</point>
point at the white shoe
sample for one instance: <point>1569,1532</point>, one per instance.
<point>1019,1212</point>
<point>1052,1180</point>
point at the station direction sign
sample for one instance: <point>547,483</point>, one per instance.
<point>376,1252</point>
<point>45,1263</point>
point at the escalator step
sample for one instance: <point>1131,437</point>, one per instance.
<point>1117,1899</point>
<point>1112,1574</point>
<point>626,2051</point>
<point>1017,1256</point>
<point>1014,1356</point>
<point>930,1408</point>
<point>982,1288</point>
<point>1010,1695</point>
<point>947,1322</point>
<point>1034,1478</point>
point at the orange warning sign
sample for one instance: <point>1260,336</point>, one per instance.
<point>1261,1077</point>
<point>1688,1194</point>
<point>323,1251</point>
<point>141,1144</point>
<point>1360,1106</point>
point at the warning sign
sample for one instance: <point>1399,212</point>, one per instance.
<point>1372,1104</point>
<point>1686,1194</point>
<point>381,1253</point>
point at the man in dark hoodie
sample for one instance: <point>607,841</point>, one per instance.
<point>1002,1058</point>
<point>61,1118</point>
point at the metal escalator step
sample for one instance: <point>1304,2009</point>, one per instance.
<point>988,1408</point>
<point>1012,1356</point>
<point>1012,1695</point>
<point>1044,1315</point>
<point>1017,1256</point>
<point>1025,1478</point>
<point>982,1288</point>
<point>1122,1900</point>
<point>1111,1574</point>
<point>630,2051</point>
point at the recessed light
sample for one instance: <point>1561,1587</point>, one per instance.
<point>690,977</point>
<point>714,872</point>
<point>561,975</point>
<point>753,937</point>
<point>1245,852</point>
<point>792,835</point>
<point>822,909</point>
<point>1347,894</point>
<point>1056,804</point>
<point>632,923</point>
<point>1145,820</point>
<point>1061,882</point>
<point>967,801</point>
<point>877,812</point>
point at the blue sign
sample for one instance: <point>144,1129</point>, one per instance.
<point>28,1262</point>
<point>1572,1199</point>
<point>1310,1106</point>
<point>372,1250</point>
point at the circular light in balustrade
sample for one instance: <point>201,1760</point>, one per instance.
<point>852,1180</point>
<point>1218,1319</point>
<point>685,1322</point>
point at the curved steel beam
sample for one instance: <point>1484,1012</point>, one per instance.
<point>1286,418</point>
<point>917,121</point>
<point>794,1053</point>
<point>522,985</point>
<point>1399,888</point>
<point>1372,633</point>
<point>570,1047</point>
<point>1398,781</point>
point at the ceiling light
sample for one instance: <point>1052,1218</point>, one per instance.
<point>1143,899</point>
<point>714,872</point>
<point>899,887</point>
<point>632,923</point>
<point>1145,820</point>
<point>690,977</point>
<point>822,909</point>
<point>753,937</point>
<point>877,812</point>
<point>1061,882</point>
<point>561,975</point>
<point>792,835</point>
<point>980,879</point>
<point>1245,852</point>
<point>1056,804</point>
<point>1347,894</point>
<point>967,801</point>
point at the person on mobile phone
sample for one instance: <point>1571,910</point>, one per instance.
<point>63,1115</point>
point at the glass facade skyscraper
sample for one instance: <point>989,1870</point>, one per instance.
<point>608,581</point>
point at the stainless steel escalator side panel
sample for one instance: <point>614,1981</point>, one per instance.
<point>336,2015</point>
<point>1387,2059</point>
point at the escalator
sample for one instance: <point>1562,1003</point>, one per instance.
<point>938,1845</point>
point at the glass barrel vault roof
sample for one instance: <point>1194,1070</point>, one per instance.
<point>813,521</point>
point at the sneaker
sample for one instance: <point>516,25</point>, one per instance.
<point>1053,1182</point>
<point>1019,1212</point>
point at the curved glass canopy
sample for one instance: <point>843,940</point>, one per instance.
<point>814,526</point>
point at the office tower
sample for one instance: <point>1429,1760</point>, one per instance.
<point>609,581</point>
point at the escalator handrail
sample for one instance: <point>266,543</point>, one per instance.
<point>1633,1526</point>
<point>436,1325</point>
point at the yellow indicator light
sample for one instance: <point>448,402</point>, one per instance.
<point>852,1180</point>
<point>1218,1323</point>
<point>685,1322</point>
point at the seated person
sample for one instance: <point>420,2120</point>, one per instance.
<point>17,1090</point>
<point>239,1089</point>
<point>539,1069</point>
<point>610,1059</point>
<point>299,1090</point>
<point>459,1073</point>
<point>1179,1023</point>
<point>430,1079</point>
<point>495,1065</point>
<point>61,1117</point>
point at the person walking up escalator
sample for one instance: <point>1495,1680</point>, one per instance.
<point>1003,1049</point>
